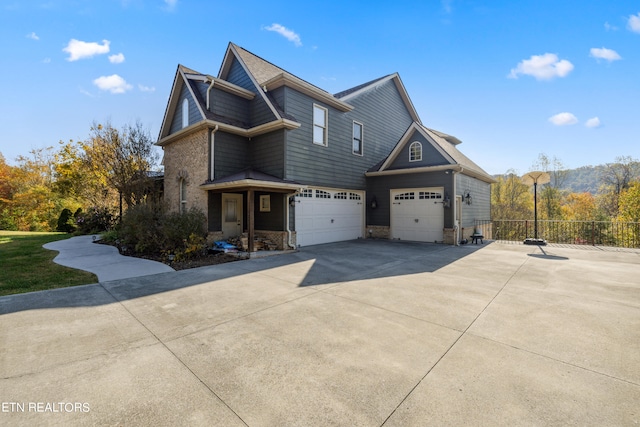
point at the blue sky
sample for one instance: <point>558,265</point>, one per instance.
<point>510,79</point>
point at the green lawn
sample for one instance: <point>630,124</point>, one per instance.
<point>25,266</point>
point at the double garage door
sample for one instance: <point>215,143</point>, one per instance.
<point>325,215</point>
<point>417,214</point>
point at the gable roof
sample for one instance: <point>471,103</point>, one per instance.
<point>442,142</point>
<point>267,76</point>
<point>188,79</point>
<point>354,92</point>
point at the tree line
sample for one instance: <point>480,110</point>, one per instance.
<point>617,198</point>
<point>89,180</point>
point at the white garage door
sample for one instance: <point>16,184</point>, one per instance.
<point>417,214</point>
<point>324,216</point>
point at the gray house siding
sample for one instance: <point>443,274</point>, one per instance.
<point>430,155</point>
<point>380,187</point>
<point>335,165</point>
<point>267,153</point>
<point>259,111</point>
<point>231,154</point>
<point>194,113</point>
<point>480,207</point>
<point>228,105</point>
<point>274,219</point>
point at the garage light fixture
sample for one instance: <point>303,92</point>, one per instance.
<point>374,203</point>
<point>467,197</point>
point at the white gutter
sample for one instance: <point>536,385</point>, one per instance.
<point>456,226</point>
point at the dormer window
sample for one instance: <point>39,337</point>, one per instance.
<point>185,113</point>
<point>415,152</point>
<point>319,125</point>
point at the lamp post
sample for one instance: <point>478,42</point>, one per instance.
<point>535,178</point>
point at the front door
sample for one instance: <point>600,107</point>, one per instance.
<point>231,215</point>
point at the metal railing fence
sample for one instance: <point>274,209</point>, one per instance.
<point>595,233</point>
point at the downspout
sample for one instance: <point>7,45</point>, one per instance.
<point>211,153</point>
<point>209,93</point>
<point>456,225</point>
<point>291,245</point>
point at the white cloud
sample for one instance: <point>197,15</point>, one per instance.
<point>446,5</point>
<point>33,36</point>
<point>563,119</point>
<point>46,61</point>
<point>604,53</point>
<point>78,49</point>
<point>593,122</point>
<point>634,23</point>
<point>542,67</point>
<point>170,4</point>
<point>610,27</point>
<point>144,88</point>
<point>113,83</point>
<point>117,58</point>
<point>286,33</point>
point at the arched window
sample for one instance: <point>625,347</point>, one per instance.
<point>183,195</point>
<point>415,151</point>
<point>185,113</point>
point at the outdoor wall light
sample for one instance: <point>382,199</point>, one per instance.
<point>292,201</point>
<point>446,202</point>
<point>467,198</point>
<point>374,203</point>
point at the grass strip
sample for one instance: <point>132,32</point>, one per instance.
<point>25,266</point>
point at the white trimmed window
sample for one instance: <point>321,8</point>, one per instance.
<point>185,113</point>
<point>183,195</point>
<point>415,152</point>
<point>357,138</point>
<point>320,115</point>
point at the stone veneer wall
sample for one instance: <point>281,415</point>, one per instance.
<point>377,232</point>
<point>186,158</point>
<point>279,238</point>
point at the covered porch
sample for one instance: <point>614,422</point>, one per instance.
<point>252,203</point>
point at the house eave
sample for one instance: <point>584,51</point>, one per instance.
<point>284,79</point>
<point>252,183</point>
<point>248,133</point>
<point>440,168</point>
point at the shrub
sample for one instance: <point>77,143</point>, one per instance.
<point>95,220</point>
<point>66,222</point>
<point>148,229</point>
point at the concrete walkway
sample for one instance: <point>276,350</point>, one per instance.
<point>102,260</point>
<point>362,333</point>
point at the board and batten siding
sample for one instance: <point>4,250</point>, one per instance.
<point>384,118</point>
<point>430,155</point>
<point>259,111</point>
<point>194,113</point>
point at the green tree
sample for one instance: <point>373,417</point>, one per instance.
<point>122,159</point>
<point>616,177</point>
<point>510,198</point>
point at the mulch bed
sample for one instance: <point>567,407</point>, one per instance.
<point>201,260</point>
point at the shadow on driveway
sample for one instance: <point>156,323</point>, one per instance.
<point>325,265</point>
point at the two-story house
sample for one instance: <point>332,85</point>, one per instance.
<point>262,151</point>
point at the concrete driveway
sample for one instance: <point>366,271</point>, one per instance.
<point>365,333</point>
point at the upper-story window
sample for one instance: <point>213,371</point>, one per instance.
<point>415,151</point>
<point>357,138</point>
<point>319,125</point>
<point>185,113</point>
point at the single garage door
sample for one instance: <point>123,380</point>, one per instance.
<point>324,216</point>
<point>417,214</point>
